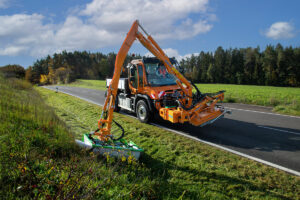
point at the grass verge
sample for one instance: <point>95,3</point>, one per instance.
<point>39,159</point>
<point>285,100</point>
<point>174,167</point>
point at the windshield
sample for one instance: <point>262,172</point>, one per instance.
<point>157,75</point>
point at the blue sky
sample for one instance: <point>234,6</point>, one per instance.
<point>32,29</point>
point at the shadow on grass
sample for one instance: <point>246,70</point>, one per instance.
<point>201,184</point>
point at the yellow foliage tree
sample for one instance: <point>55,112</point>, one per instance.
<point>51,75</point>
<point>43,79</point>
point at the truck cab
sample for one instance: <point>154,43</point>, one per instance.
<point>148,87</point>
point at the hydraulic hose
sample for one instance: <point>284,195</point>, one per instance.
<point>199,97</point>
<point>123,132</point>
<point>198,91</point>
<point>183,106</point>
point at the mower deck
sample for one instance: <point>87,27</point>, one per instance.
<point>118,148</point>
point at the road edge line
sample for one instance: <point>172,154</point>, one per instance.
<point>291,116</point>
<point>233,151</point>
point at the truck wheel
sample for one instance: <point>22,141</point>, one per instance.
<point>142,111</point>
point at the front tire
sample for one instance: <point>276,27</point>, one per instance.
<point>142,111</point>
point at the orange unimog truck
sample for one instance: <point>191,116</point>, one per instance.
<point>154,85</point>
<point>151,90</point>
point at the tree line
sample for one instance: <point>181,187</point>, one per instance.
<point>13,71</point>
<point>66,67</point>
<point>275,66</point>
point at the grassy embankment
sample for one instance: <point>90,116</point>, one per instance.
<point>174,166</point>
<point>284,100</point>
<point>38,158</point>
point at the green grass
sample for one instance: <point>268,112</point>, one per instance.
<point>174,167</point>
<point>284,100</point>
<point>39,160</point>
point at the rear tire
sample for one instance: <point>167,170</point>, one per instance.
<point>142,111</point>
<point>117,108</point>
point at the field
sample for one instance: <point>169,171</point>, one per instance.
<point>285,100</point>
<point>38,157</point>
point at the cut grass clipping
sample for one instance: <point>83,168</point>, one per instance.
<point>285,100</point>
<point>173,166</point>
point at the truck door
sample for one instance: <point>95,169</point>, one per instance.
<point>133,79</point>
<point>136,78</point>
<point>141,78</point>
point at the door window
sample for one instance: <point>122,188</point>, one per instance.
<point>133,76</point>
<point>141,76</point>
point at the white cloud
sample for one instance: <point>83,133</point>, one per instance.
<point>186,56</point>
<point>3,4</point>
<point>11,50</point>
<point>170,52</point>
<point>25,34</point>
<point>280,30</point>
<point>168,19</point>
<point>75,34</point>
<point>102,23</point>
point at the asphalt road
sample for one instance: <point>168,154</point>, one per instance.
<point>253,130</point>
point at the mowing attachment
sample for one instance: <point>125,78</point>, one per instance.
<point>117,148</point>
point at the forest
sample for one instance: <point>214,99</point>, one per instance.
<point>274,66</point>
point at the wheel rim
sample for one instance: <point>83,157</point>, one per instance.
<point>142,112</point>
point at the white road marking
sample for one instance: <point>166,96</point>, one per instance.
<point>206,142</point>
<point>264,112</point>
<point>275,129</point>
<point>233,151</point>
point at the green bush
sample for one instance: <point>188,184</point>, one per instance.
<point>13,71</point>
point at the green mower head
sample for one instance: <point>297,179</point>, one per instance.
<point>118,148</point>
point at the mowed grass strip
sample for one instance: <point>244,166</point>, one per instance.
<point>285,100</point>
<point>180,167</point>
<point>40,160</point>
